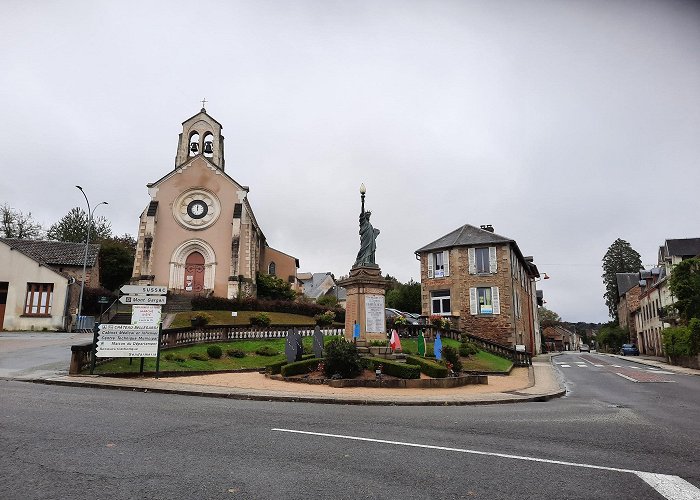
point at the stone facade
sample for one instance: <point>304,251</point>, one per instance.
<point>508,282</point>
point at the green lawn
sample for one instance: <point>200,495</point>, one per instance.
<point>486,362</point>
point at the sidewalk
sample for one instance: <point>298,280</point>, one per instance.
<point>656,362</point>
<point>536,383</point>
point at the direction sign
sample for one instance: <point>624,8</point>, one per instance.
<point>127,341</point>
<point>116,328</point>
<point>142,299</point>
<point>141,289</point>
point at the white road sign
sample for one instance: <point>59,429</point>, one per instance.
<point>145,315</point>
<point>127,341</point>
<point>142,299</point>
<point>140,289</point>
<point>116,328</point>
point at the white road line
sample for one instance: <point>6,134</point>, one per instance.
<point>625,376</point>
<point>582,365</point>
<point>662,373</point>
<point>598,365</point>
<point>617,366</point>
<point>565,366</point>
<point>671,487</point>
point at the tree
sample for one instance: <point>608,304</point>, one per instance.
<point>685,287</point>
<point>612,336</point>
<point>620,258</point>
<point>116,260</point>
<point>73,227</point>
<point>17,225</point>
<point>272,287</point>
<point>547,318</point>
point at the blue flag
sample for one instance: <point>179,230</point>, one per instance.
<point>356,331</point>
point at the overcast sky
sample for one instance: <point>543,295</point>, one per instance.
<point>563,124</point>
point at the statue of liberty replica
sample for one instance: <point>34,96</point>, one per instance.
<point>368,236</point>
<point>364,308</point>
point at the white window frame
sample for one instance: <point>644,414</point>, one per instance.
<point>439,264</point>
<point>492,267</point>
<point>39,299</point>
<point>441,296</point>
<point>475,307</point>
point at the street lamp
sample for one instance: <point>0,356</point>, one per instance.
<point>87,243</point>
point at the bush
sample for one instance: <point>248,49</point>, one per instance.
<point>429,367</point>
<point>327,301</point>
<point>214,351</point>
<point>342,359</point>
<point>677,341</point>
<point>467,348</point>
<point>325,319</point>
<point>198,356</point>
<point>275,368</point>
<point>451,355</point>
<point>169,356</point>
<point>299,306</point>
<point>235,353</point>
<point>400,370</point>
<point>261,319</point>
<point>299,367</point>
<point>266,350</point>
<point>694,327</point>
<point>179,359</point>
<point>200,318</point>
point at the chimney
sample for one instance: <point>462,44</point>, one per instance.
<point>487,227</point>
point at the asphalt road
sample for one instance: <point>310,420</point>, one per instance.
<point>605,439</point>
<point>39,354</point>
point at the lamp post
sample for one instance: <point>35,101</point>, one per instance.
<point>87,243</point>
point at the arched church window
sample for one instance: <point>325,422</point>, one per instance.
<point>208,145</point>
<point>271,269</point>
<point>194,144</point>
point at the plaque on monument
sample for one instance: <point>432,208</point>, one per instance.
<point>374,314</point>
<point>318,342</point>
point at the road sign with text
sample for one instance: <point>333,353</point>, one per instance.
<point>151,300</point>
<point>127,341</point>
<point>144,289</point>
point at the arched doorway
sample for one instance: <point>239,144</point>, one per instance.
<point>194,272</point>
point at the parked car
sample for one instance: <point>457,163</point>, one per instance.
<point>629,350</point>
<point>584,348</point>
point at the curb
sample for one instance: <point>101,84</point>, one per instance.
<point>515,396</point>
<point>665,366</point>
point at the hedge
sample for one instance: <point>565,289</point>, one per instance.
<point>427,366</point>
<point>393,368</point>
<point>299,367</point>
<point>200,303</point>
<point>276,367</point>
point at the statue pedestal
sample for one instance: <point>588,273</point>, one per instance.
<point>365,289</point>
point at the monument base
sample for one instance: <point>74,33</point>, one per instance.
<point>365,305</point>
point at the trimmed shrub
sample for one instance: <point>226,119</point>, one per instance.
<point>198,356</point>
<point>451,355</point>
<point>342,359</point>
<point>235,353</point>
<point>214,351</point>
<point>179,359</point>
<point>325,319</point>
<point>169,356</point>
<point>400,370</point>
<point>299,367</point>
<point>266,350</point>
<point>676,341</point>
<point>427,366</point>
<point>200,318</point>
<point>261,319</point>
<point>275,368</point>
<point>467,348</point>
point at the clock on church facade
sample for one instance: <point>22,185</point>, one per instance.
<point>198,233</point>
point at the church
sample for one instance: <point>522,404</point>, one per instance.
<point>198,234</point>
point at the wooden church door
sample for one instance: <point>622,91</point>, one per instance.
<point>194,272</point>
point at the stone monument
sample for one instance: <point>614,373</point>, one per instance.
<point>365,285</point>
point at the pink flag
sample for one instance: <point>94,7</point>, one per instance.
<point>395,342</point>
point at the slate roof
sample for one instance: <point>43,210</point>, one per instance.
<point>312,286</point>
<point>686,247</point>
<point>466,235</point>
<point>625,282</point>
<point>55,253</point>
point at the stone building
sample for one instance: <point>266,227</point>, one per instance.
<point>628,291</point>
<point>198,233</point>
<point>484,284</point>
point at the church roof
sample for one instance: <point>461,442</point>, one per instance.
<point>56,253</point>
<point>205,112</point>
<point>187,164</point>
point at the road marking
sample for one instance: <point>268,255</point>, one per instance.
<point>565,366</point>
<point>582,365</point>
<point>671,487</point>
<point>625,376</point>
<point>662,372</point>
<point>598,365</point>
<point>617,366</point>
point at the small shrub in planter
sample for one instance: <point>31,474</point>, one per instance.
<point>214,351</point>
<point>299,367</point>
<point>429,367</point>
<point>266,351</point>
<point>467,349</point>
<point>235,353</point>
<point>261,319</point>
<point>275,368</point>
<point>198,356</point>
<point>400,370</point>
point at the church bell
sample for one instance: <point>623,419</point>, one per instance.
<point>194,147</point>
<point>208,147</point>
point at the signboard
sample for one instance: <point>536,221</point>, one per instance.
<point>145,315</point>
<point>143,299</point>
<point>127,341</point>
<point>103,299</point>
<point>141,289</point>
<point>374,314</point>
<point>520,347</point>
